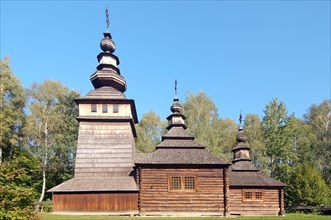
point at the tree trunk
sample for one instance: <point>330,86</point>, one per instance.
<point>44,166</point>
<point>43,189</point>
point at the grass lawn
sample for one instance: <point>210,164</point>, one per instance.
<point>289,216</point>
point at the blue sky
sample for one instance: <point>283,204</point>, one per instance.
<point>240,53</point>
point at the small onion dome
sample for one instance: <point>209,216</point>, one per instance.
<point>241,136</point>
<point>176,107</point>
<point>107,44</point>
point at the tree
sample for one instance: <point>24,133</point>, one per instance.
<point>16,191</point>
<point>307,187</point>
<point>51,128</point>
<point>64,154</point>
<point>254,133</point>
<point>216,134</point>
<point>225,134</point>
<point>149,132</point>
<point>302,140</point>
<point>202,120</point>
<point>276,132</point>
<point>319,118</point>
<point>12,101</point>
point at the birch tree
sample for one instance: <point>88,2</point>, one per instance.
<point>277,138</point>
<point>319,118</point>
<point>149,131</point>
<point>47,124</point>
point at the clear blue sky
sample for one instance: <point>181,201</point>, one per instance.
<point>241,53</point>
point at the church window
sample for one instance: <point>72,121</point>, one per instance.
<point>115,109</point>
<point>189,182</point>
<point>104,108</point>
<point>248,195</point>
<point>182,183</point>
<point>175,183</point>
<point>258,195</point>
<point>93,108</point>
<point>253,195</point>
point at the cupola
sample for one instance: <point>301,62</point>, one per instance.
<point>108,74</point>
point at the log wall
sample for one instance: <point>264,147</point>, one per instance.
<point>269,206</point>
<point>157,198</point>
<point>95,202</point>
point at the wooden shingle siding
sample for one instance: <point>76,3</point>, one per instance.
<point>155,196</point>
<point>269,206</point>
<point>104,149</point>
<point>95,202</point>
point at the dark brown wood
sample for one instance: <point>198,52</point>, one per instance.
<point>226,191</point>
<point>281,201</point>
<point>155,195</point>
<point>95,202</point>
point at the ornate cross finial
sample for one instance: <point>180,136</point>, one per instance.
<point>107,18</point>
<point>175,87</point>
<point>240,118</point>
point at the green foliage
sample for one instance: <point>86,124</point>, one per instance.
<point>62,158</point>
<point>254,133</point>
<point>225,134</point>
<point>12,101</point>
<point>318,118</point>
<point>276,132</point>
<point>217,135</point>
<point>16,193</point>
<point>51,130</point>
<point>149,131</point>
<point>307,187</point>
<point>202,118</point>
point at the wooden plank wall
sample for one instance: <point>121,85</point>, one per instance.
<point>104,149</point>
<point>270,205</point>
<point>95,202</point>
<point>155,197</point>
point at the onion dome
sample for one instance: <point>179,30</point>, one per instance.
<point>241,151</point>
<point>176,107</point>
<point>107,44</point>
<point>241,138</point>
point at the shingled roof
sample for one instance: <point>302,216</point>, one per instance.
<point>105,92</point>
<point>97,184</point>
<point>252,179</point>
<point>177,146</point>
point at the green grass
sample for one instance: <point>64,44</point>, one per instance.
<point>289,216</point>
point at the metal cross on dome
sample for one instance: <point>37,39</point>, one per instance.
<point>175,87</point>
<point>107,18</point>
<point>240,118</point>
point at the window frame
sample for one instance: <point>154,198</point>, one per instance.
<point>183,186</point>
<point>115,109</point>
<point>104,108</point>
<point>253,193</point>
<point>94,108</point>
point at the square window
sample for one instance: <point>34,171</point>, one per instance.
<point>115,109</point>
<point>189,182</point>
<point>104,108</point>
<point>93,108</point>
<point>248,195</point>
<point>175,183</point>
<point>253,195</point>
<point>258,195</point>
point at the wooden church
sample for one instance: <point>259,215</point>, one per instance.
<point>179,178</point>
